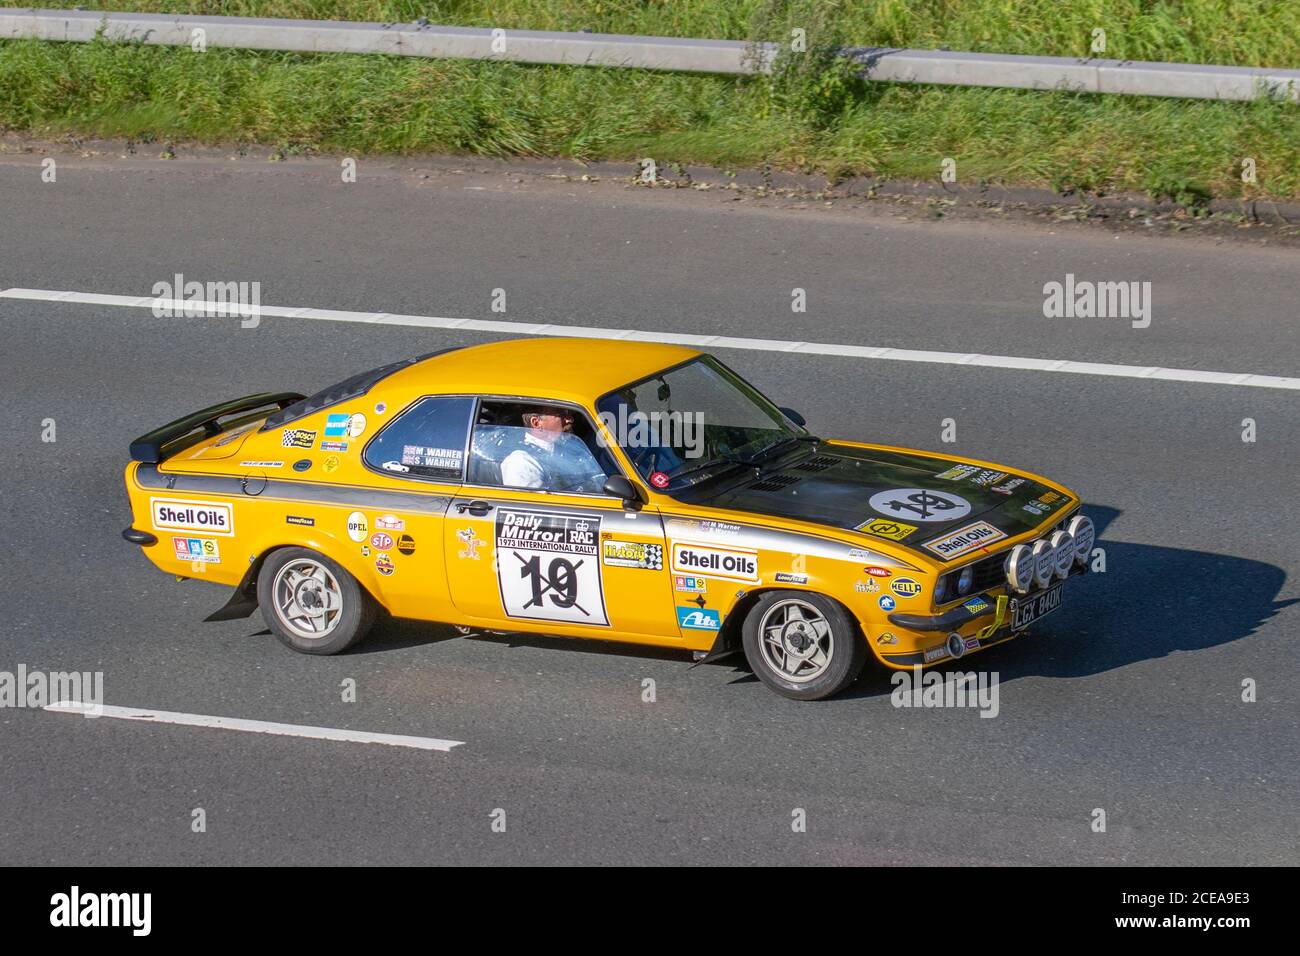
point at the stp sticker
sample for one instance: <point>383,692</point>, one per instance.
<point>358,526</point>
<point>716,562</point>
<point>381,541</point>
<point>920,504</point>
<point>209,517</point>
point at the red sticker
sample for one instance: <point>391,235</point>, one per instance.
<point>876,572</point>
<point>659,479</point>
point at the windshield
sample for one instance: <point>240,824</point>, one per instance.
<point>693,422</point>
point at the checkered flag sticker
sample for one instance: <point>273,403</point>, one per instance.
<point>654,556</point>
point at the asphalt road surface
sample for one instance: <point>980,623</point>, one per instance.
<point>1129,699</point>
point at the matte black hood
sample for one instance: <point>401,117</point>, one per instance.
<point>949,506</point>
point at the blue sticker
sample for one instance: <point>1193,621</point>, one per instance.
<point>887,603</point>
<point>976,604</point>
<point>336,426</point>
<point>699,619</point>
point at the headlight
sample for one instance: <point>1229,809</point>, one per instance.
<point>1062,553</point>
<point>1020,569</point>
<point>1044,562</point>
<point>941,588</point>
<point>1085,535</point>
<point>966,580</point>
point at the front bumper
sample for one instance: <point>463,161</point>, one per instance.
<point>994,621</point>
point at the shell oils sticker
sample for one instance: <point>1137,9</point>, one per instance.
<point>358,526</point>
<point>297,438</point>
<point>633,554</point>
<point>207,517</point>
<point>197,549</point>
<point>548,568</point>
<point>906,587</point>
<point>716,562</point>
<point>881,528</point>
<point>384,565</point>
<point>688,582</point>
<point>965,540</point>
<point>390,523</point>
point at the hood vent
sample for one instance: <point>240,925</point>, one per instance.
<point>775,483</point>
<point>820,463</point>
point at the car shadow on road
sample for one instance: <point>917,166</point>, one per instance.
<point>1150,602</point>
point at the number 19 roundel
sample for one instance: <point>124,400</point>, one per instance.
<point>548,566</point>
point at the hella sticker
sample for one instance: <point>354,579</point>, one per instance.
<point>906,587</point>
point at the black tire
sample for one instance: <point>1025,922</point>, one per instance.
<point>845,652</point>
<point>354,617</point>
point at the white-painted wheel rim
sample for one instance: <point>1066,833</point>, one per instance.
<point>307,598</point>
<point>796,641</point>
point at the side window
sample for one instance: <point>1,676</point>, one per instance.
<point>425,441</point>
<point>540,446</point>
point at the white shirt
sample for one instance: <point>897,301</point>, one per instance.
<point>521,469</point>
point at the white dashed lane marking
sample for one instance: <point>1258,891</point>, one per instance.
<point>253,726</point>
<point>1150,372</point>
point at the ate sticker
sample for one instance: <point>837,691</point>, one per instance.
<point>659,479</point>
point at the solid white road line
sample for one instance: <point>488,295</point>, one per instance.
<point>676,338</point>
<point>253,726</point>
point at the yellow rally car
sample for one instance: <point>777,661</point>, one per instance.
<point>625,491</point>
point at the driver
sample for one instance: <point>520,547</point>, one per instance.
<point>552,457</point>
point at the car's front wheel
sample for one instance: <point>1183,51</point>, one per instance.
<point>803,645</point>
<point>313,604</point>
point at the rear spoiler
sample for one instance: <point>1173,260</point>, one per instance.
<point>162,443</point>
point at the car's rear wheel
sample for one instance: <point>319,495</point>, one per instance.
<point>803,645</point>
<point>313,604</point>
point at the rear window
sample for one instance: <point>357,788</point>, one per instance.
<point>425,441</point>
<point>344,391</point>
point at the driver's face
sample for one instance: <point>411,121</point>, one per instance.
<point>553,423</point>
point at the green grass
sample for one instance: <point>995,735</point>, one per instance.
<point>812,115</point>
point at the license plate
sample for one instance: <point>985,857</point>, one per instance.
<point>1027,610</point>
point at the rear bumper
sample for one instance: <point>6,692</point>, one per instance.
<point>143,538</point>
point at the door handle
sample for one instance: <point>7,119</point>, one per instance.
<point>477,508</point>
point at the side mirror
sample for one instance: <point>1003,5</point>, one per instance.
<point>616,486</point>
<point>794,416</point>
